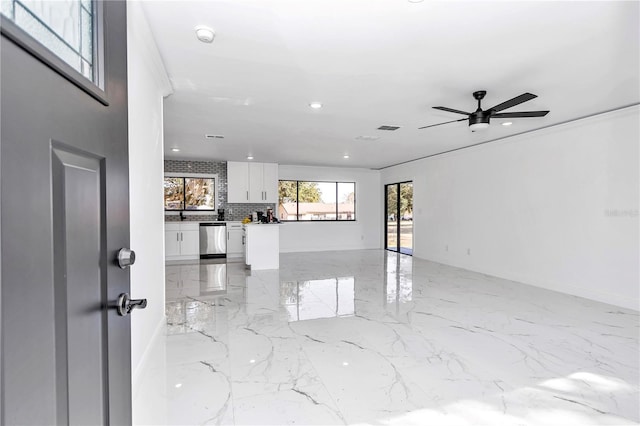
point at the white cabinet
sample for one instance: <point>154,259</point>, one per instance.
<point>181,241</point>
<point>256,189</point>
<point>262,246</point>
<point>171,241</point>
<point>237,182</point>
<point>235,240</point>
<point>252,182</point>
<point>190,244</point>
<point>270,182</point>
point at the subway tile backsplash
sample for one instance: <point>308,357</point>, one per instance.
<point>238,211</point>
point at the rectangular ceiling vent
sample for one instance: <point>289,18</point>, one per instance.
<point>391,128</point>
<point>214,136</point>
<point>367,138</point>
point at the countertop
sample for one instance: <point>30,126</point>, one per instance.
<point>202,221</point>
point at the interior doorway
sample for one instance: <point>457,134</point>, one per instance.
<point>398,223</point>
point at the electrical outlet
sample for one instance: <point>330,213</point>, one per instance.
<point>362,237</point>
<point>446,248</point>
<point>468,252</point>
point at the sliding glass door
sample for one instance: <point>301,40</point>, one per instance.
<point>399,217</point>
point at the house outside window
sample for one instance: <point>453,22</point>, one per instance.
<point>316,201</point>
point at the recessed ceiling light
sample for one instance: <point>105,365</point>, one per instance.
<point>416,1</point>
<point>507,123</point>
<point>175,149</point>
<point>250,157</point>
<point>315,105</point>
<point>205,34</point>
<point>345,156</point>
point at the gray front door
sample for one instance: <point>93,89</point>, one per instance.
<point>64,213</point>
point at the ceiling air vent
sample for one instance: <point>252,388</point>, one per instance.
<point>367,138</point>
<point>391,128</point>
<point>214,136</point>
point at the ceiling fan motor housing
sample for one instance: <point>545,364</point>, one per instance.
<point>479,117</point>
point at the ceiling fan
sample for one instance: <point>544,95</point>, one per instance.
<point>479,119</point>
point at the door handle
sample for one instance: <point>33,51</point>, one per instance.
<point>247,195</point>
<point>125,304</point>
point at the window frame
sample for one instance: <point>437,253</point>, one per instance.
<point>336,220</point>
<point>184,177</point>
<point>30,44</point>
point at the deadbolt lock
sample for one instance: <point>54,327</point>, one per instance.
<point>126,257</point>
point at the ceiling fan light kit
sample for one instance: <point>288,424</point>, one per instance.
<point>480,119</point>
<point>478,126</point>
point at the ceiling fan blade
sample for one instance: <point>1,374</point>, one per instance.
<point>457,111</point>
<point>513,102</point>
<point>440,124</point>
<point>520,114</point>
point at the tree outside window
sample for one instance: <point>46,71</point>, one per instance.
<point>316,201</point>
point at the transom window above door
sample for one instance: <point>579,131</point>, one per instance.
<point>64,27</point>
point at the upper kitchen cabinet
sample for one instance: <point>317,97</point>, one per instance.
<point>237,182</point>
<point>263,182</point>
<point>252,182</point>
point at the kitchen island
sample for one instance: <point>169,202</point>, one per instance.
<point>262,246</point>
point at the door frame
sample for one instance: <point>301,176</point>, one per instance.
<point>386,221</point>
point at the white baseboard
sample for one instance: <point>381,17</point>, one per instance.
<point>331,248</point>
<point>561,287</point>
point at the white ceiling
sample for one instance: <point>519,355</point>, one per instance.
<point>382,62</point>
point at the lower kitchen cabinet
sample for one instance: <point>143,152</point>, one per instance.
<point>235,237</point>
<point>182,241</point>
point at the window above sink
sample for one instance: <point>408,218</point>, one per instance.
<point>190,192</point>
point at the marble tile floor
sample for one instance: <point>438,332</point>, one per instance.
<point>371,337</point>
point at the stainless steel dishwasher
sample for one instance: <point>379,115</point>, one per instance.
<point>213,240</point>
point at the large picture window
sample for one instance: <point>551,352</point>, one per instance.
<point>189,193</point>
<point>316,201</point>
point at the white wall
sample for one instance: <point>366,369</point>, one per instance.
<point>364,233</point>
<point>538,208</point>
<point>148,84</point>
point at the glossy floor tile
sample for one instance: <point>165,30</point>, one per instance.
<point>374,337</point>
